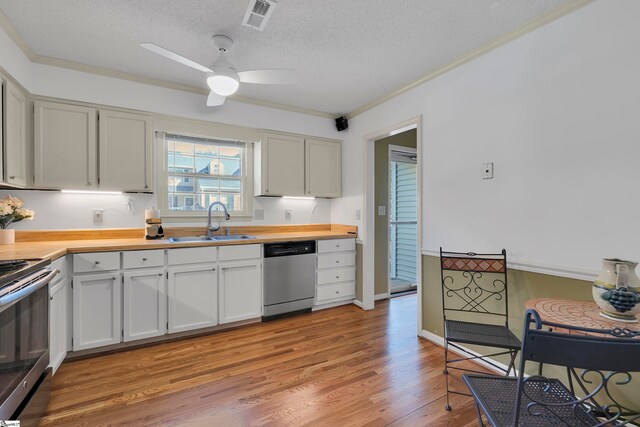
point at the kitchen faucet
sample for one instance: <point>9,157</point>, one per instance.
<point>227,217</point>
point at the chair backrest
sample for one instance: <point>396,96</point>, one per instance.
<point>474,283</point>
<point>599,363</point>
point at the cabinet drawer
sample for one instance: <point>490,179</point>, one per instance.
<point>61,265</point>
<point>228,253</point>
<point>96,261</point>
<point>141,259</point>
<point>339,259</point>
<point>336,275</point>
<point>192,255</point>
<point>335,292</point>
<point>336,245</point>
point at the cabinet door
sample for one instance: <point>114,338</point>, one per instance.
<point>193,297</point>
<point>58,324</point>
<point>97,310</point>
<point>145,304</point>
<point>323,168</point>
<point>125,151</point>
<point>240,290</point>
<point>64,146</point>
<point>282,165</point>
<point>15,142</point>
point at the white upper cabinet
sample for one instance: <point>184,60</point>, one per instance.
<point>64,146</point>
<point>323,168</point>
<point>15,135</point>
<point>125,151</point>
<point>68,143</point>
<point>282,165</point>
<point>292,165</point>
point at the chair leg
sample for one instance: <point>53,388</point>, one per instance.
<point>512,363</point>
<point>479,415</point>
<point>446,373</point>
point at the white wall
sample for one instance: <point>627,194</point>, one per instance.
<point>557,112</point>
<point>55,210</point>
<point>64,211</point>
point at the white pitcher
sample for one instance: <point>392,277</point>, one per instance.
<point>617,290</point>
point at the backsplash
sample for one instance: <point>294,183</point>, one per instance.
<point>56,210</point>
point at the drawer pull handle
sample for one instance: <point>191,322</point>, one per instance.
<point>96,262</point>
<point>144,259</point>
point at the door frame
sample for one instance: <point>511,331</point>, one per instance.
<point>405,150</point>
<point>368,252</point>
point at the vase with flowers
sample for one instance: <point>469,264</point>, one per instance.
<point>11,211</point>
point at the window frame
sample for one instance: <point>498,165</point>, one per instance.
<point>162,179</point>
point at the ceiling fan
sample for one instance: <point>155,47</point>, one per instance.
<point>222,77</point>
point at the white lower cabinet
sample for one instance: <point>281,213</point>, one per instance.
<point>97,310</point>
<point>145,304</point>
<point>58,296</point>
<point>193,297</point>
<point>240,290</point>
<point>336,272</point>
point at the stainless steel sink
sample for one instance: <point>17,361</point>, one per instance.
<point>190,239</point>
<point>233,237</point>
<point>210,238</point>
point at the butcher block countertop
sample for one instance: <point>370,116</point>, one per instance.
<point>57,243</point>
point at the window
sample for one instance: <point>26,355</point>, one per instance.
<point>200,171</point>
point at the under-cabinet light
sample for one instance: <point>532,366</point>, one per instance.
<point>90,192</point>
<point>299,197</point>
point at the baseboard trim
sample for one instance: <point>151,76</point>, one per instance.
<point>358,303</point>
<point>533,267</point>
<point>438,340</point>
<point>381,296</point>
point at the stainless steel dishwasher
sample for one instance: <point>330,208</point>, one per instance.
<point>289,278</point>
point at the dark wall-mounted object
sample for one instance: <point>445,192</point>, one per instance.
<point>342,123</point>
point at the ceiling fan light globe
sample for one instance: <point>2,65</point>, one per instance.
<point>223,85</point>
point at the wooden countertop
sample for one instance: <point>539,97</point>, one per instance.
<point>53,249</point>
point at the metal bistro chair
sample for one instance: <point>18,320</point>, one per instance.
<point>476,284</point>
<point>598,368</point>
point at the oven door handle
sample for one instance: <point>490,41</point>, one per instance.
<point>27,290</point>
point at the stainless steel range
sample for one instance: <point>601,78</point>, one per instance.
<point>24,339</point>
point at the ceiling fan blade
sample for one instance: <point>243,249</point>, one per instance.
<point>174,56</point>
<point>277,77</point>
<point>214,99</point>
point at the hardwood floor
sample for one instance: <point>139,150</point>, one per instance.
<point>339,367</point>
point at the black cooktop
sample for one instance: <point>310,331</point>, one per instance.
<point>12,270</point>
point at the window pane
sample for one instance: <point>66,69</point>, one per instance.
<point>208,165</point>
<point>230,167</point>
<point>183,148</point>
<point>231,152</point>
<point>233,201</point>
<point>181,184</point>
<point>208,185</point>
<point>181,202</point>
<point>230,185</point>
<point>206,150</point>
<point>180,163</point>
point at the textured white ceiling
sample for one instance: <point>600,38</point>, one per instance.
<point>346,52</point>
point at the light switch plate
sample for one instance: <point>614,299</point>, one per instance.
<point>382,210</point>
<point>357,214</point>
<point>487,171</point>
<point>258,214</point>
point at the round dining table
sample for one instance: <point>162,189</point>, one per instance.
<point>584,314</point>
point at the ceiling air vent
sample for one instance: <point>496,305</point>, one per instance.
<point>258,13</point>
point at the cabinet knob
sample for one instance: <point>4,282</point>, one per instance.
<point>114,278</point>
<point>337,292</point>
<point>88,182</point>
<point>51,297</point>
<point>337,277</point>
<point>213,269</point>
<point>337,262</point>
<point>97,262</point>
<point>12,177</point>
<point>160,274</point>
<point>146,186</point>
<point>337,246</point>
<point>144,259</point>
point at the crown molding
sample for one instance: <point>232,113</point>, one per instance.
<point>487,47</point>
<point>13,34</point>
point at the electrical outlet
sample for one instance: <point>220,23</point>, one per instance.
<point>258,214</point>
<point>487,171</point>
<point>382,210</point>
<point>98,216</point>
<point>357,214</point>
<point>287,214</point>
